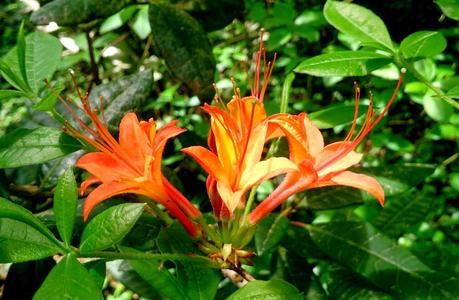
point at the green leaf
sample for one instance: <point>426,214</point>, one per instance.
<point>423,44</point>
<point>117,20</point>
<point>198,282</point>
<point>403,211</point>
<point>396,179</point>
<point>42,56</point>
<point>453,92</point>
<point>21,52</point>
<point>97,270</point>
<point>347,285</point>
<point>16,212</point>
<point>109,227</point>
<point>450,8</point>
<point>9,94</point>
<point>184,46</point>
<point>12,77</point>
<point>274,289</point>
<point>363,249</point>
<point>47,103</point>
<point>437,109</point>
<point>68,280</point>
<point>65,205</point>
<point>24,147</point>
<point>158,276</point>
<point>21,242</point>
<point>335,115</point>
<point>69,12</point>
<point>343,63</point>
<point>270,232</point>
<point>332,197</point>
<point>358,22</point>
<point>141,25</point>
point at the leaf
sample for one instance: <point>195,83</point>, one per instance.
<point>332,197</point>
<point>343,63</point>
<point>141,25</point>
<point>9,94</point>
<point>198,282</point>
<point>437,109</point>
<point>450,8</point>
<point>69,12</point>
<point>398,178</point>
<point>453,92</point>
<point>16,212</point>
<point>214,15</point>
<point>12,77</point>
<point>21,52</point>
<point>97,270</point>
<point>270,232</point>
<point>109,227</point>
<point>47,103</point>
<point>358,22</point>
<point>335,115</point>
<point>158,276</point>
<point>42,56</point>
<point>21,242</point>
<point>184,46</point>
<point>117,20</point>
<point>68,280</point>
<point>65,205</point>
<point>274,289</point>
<point>364,250</point>
<point>403,211</point>
<point>347,285</point>
<point>423,44</point>
<point>24,147</point>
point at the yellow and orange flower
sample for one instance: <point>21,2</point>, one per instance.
<point>320,165</point>
<point>130,165</point>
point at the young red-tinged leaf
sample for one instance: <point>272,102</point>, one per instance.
<point>65,205</point>
<point>68,280</point>
<point>343,63</point>
<point>109,227</point>
<point>358,22</point>
<point>24,147</point>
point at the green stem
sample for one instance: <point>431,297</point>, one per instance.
<point>139,256</point>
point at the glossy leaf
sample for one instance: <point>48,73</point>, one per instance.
<point>347,285</point>
<point>97,270</point>
<point>335,115</point>
<point>453,92</point>
<point>109,227</point>
<point>68,280</point>
<point>358,22</point>
<point>437,109</point>
<point>343,63</point>
<point>363,249</point>
<point>65,205</point>
<point>16,212</point>
<point>403,211</point>
<point>274,289</point>
<point>332,197</point>
<point>184,46</point>
<point>158,276</point>
<point>42,55</point>
<point>32,146</point>
<point>450,8</point>
<point>270,232</point>
<point>21,242</point>
<point>423,44</point>
<point>396,179</point>
<point>69,12</point>
<point>198,282</point>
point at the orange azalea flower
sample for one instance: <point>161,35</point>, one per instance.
<point>321,165</point>
<point>236,141</point>
<point>130,165</point>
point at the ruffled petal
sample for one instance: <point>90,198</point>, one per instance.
<point>104,166</point>
<point>103,192</point>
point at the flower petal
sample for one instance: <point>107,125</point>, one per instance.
<point>326,164</point>
<point>133,141</point>
<point>266,169</point>
<point>104,166</point>
<point>89,181</point>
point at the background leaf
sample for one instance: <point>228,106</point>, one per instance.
<point>68,280</point>
<point>369,253</point>
<point>270,232</point>
<point>183,44</point>
<point>334,115</point>
<point>24,147</point>
<point>359,22</point>
<point>343,63</point>
<point>274,289</point>
<point>109,227</point>
<point>450,8</point>
<point>65,205</point>
<point>423,44</point>
<point>332,197</point>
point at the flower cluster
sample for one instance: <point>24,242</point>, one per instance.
<point>234,160</point>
